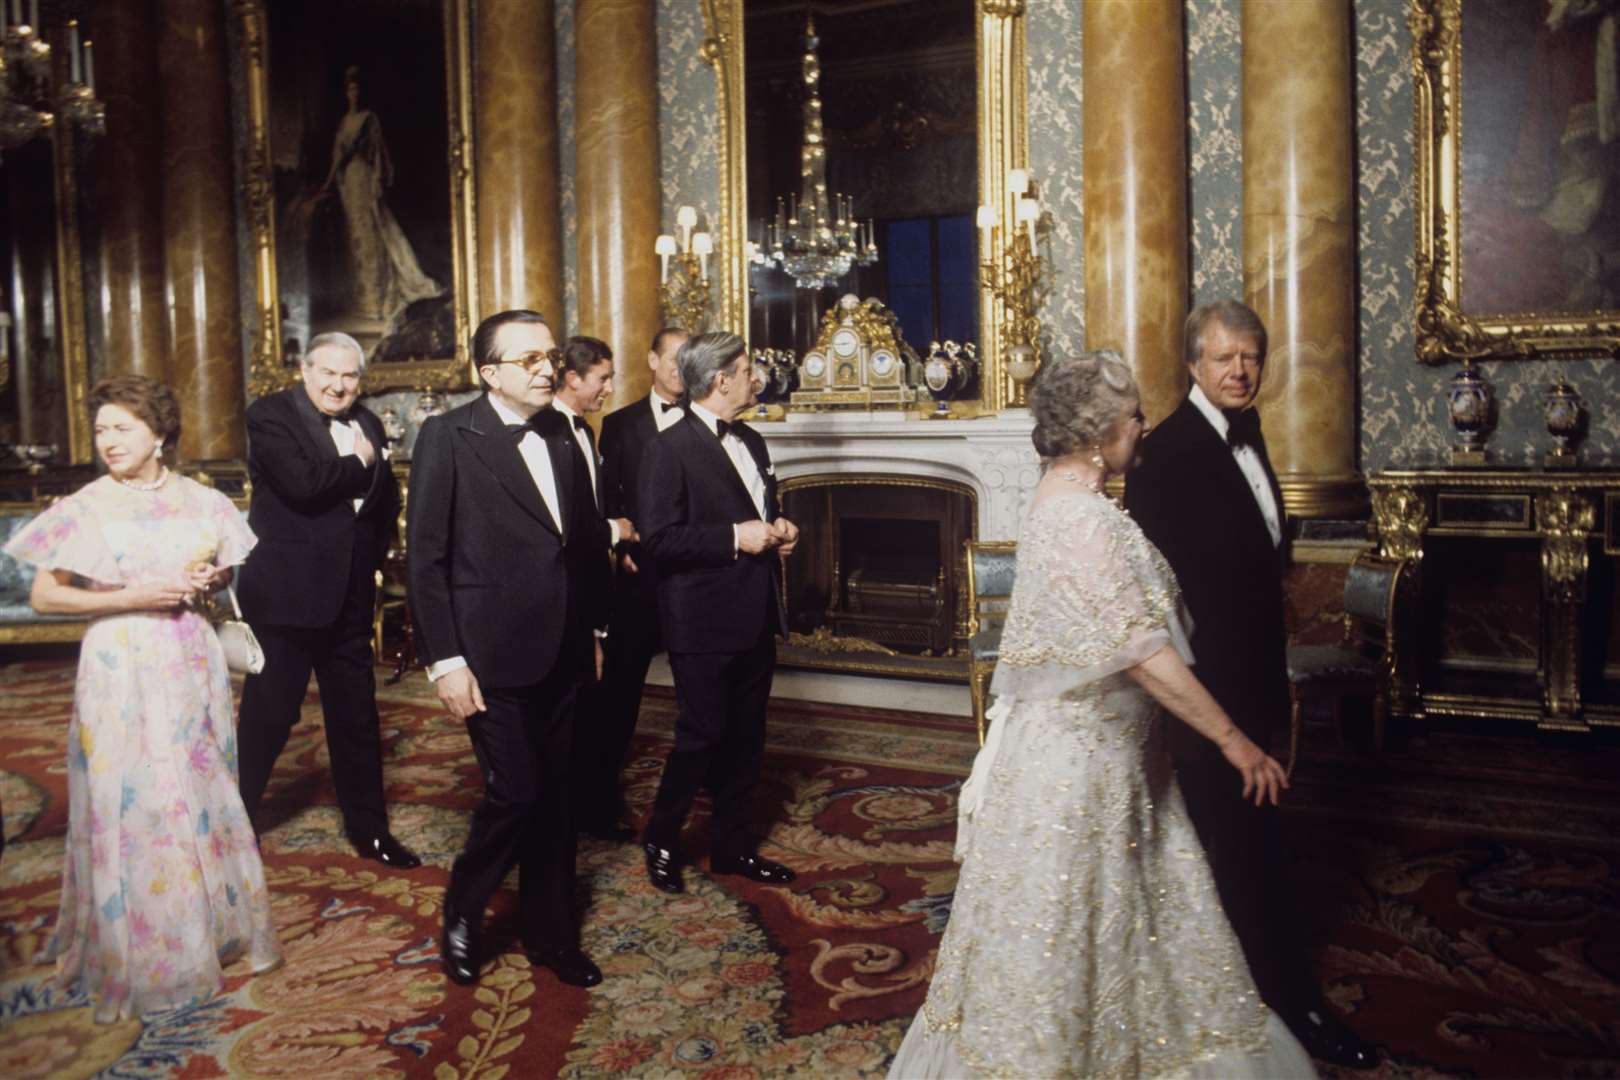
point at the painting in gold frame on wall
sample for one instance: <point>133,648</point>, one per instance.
<point>1518,179</point>
<point>359,188</point>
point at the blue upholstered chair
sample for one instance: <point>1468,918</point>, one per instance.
<point>990,570</point>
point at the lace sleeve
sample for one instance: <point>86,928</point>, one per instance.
<point>1093,598</point>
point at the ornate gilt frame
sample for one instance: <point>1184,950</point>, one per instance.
<point>1444,332</point>
<point>1003,146</point>
<point>266,372</point>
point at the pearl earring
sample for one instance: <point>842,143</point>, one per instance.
<point>159,454</point>
<point>1097,458</point>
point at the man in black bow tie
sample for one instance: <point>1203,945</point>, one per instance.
<point>715,537</point>
<point>508,565</point>
<point>324,509</point>
<point>1205,494</point>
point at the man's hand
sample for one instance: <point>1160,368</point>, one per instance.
<point>627,531</point>
<point>787,535</point>
<point>627,564</point>
<point>363,448</point>
<point>754,537</point>
<point>598,643</point>
<point>459,692</point>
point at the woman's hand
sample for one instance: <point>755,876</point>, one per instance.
<point>154,595</point>
<point>1262,775</point>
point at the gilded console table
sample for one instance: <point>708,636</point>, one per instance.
<point>1523,561</point>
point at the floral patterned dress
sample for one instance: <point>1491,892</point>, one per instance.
<point>161,883</point>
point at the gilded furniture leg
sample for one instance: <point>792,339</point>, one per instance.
<point>1566,518</point>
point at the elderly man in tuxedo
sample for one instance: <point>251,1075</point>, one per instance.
<point>324,508</point>
<point>507,563</point>
<point>608,710</point>
<point>711,527</point>
<point>1207,497</point>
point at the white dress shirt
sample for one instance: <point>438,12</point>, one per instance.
<point>743,462</point>
<point>532,448</point>
<point>662,417</point>
<point>591,461</point>
<point>1248,461</point>
<point>343,433</point>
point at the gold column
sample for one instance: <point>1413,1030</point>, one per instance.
<point>519,247</point>
<point>616,185</point>
<point>129,197</point>
<point>1135,204</point>
<point>199,228</point>
<point>1299,244</point>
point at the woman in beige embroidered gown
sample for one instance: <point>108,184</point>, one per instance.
<point>1086,937</point>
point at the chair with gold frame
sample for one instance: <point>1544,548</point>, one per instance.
<point>990,568</point>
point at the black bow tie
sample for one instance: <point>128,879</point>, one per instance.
<point>1242,427</point>
<point>517,431</point>
<point>666,406</point>
<point>579,422</point>
<point>721,427</point>
<point>342,418</point>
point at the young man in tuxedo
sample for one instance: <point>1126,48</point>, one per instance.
<point>507,560</point>
<point>324,508</point>
<point>711,528</point>
<point>609,709</point>
<point>1207,497</point>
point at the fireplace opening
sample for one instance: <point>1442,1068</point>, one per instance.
<point>880,562</point>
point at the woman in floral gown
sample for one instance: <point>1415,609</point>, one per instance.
<point>1086,937</point>
<point>161,883</point>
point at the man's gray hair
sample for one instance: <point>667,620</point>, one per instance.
<point>704,357</point>
<point>335,339</point>
<point>1235,315</point>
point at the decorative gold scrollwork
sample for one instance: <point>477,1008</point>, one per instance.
<point>1566,519</point>
<point>1400,515</point>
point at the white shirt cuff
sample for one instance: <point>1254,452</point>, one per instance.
<point>613,532</point>
<point>440,668</point>
<point>736,540</point>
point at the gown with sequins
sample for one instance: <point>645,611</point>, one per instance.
<point>1086,937</point>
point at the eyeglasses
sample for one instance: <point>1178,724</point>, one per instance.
<point>537,363</point>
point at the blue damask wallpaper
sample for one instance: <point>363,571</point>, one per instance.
<point>1401,403</point>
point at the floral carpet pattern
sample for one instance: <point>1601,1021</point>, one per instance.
<point>1468,916</point>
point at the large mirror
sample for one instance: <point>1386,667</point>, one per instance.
<point>922,116</point>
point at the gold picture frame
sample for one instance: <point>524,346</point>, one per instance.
<point>268,368</point>
<point>1448,329</point>
<point>1003,141</point>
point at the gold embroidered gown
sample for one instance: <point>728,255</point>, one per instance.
<point>1086,937</point>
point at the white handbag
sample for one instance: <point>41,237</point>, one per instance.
<point>242,651</point>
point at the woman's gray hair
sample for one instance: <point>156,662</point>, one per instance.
<point>335,339</point>
<point>704,357</point>
<point>1076,401</point>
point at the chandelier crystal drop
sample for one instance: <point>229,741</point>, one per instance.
<point>815,237</point>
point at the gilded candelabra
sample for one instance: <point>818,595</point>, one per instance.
<point>29,104</point>
<point>684,290</point>
<point>1015,280</point>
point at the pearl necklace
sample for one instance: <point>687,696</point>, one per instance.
<point>146,485</point>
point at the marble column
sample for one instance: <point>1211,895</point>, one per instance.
<point>33,302</point>
<point>1299,243</point>
<point>199,229</point>
<point>520,262</point>
<point>616,188</point>
<point>1135,204</point>
<point>129,193</point>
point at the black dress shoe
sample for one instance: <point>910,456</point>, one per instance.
<point>754,868</point>
<point>612,832</point>
<point>458,949</point>
<point>664,868</point>
<point>386,850</point>
<point>1325,1039</point>
<point>569,965</point>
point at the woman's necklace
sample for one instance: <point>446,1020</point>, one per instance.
<point>146,485</point>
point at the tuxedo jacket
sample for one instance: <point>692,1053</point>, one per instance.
<point>1194,504</point>
<point>314,546</point>
<point>626,432</point>
<point>493,578</point>
<point>711,596</point>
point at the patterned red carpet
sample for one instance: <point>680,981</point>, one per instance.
<point>1469,915</point>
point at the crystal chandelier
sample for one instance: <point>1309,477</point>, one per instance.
<point>815,238</point>
<point>26,104</point>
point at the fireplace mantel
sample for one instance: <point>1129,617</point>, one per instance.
<point>991,455</point>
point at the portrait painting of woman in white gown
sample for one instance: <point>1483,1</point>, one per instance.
<point>1085,935</point>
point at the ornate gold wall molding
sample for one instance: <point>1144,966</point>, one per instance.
<point>70,298</point>
<point>723,51</point>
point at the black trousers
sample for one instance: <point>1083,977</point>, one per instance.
<point>719,741</point>
<point>1244,846</point>
<point>522,742</point>
<point>606,717</point>
<point>341,658</point>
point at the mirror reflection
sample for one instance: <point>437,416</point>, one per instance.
<point>897,119</point>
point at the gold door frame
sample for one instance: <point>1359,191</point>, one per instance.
<point>1444,332</point>
<point>266,372</point>
<point>1003,145</point>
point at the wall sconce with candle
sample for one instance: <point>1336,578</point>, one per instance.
<point>684,288</point>
<point>1016,280</point>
